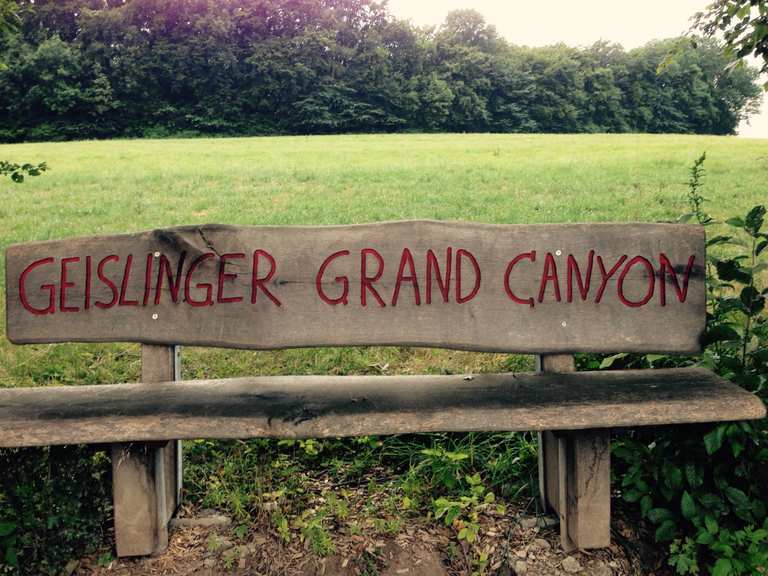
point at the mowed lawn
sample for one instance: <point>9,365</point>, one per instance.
<point>131,185</point>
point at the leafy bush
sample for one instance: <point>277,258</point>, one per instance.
<point>705,488</point>
<point>53,506</point>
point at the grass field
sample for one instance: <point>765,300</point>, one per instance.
<point>130,185</point>
<point>311,487</point>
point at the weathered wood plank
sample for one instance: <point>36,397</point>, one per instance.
<point>587,477</point>
<point>145,475</point>
<point>133,493</point>
<point>548,444</point>
<point>512,288</point>
<point>329,406</point>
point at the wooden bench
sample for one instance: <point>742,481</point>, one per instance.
<point>549,290</point>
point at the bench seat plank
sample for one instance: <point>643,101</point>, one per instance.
<point>329,406</point>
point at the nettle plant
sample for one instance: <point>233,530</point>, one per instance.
<point>704,488</point>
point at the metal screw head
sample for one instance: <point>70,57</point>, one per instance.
<point>157,254</point>
<point>154,316</point>
<point>563,323</point>
<point>558,252</point>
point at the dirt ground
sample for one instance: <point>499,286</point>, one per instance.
<point>508,546</point>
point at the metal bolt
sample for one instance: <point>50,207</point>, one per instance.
<point>558,252</point>
<point>154,316</point>
<point>157,254</point>
<point>563,323</point>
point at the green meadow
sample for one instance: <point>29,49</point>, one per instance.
<point>321,495</point>
<point>99,187</point>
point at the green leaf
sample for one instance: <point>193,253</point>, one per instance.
<point>608,362</point>
<point>752,300</point>
<point>10,556</point>
<point>658,515</point>
<point>633,495</point>
<point>693,476</point>
<point>736,448</point>
<point>730,304</point>
<point>743,11</point>
<point>7,528</point>
<point>737,497</point>
<point>711,502</point>
<point>761,246</point>
<point>673,476</point>
<point>646,503</point>
<point>452,514</point>
<point>688,506</point>
<point>714,440</point>
<point>728,270</point>
<point>711,524</point>
<point>719,239</point>
<point>754,220</point>
<point>723,567</point>
<point>736,222</point>
<point>666,531</point>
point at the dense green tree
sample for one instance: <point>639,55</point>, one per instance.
<point>9,23</point>
<point>103,68</point>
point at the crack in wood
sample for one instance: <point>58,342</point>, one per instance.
<point>208,243</point>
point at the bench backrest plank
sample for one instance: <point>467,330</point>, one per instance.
<point>510,288</point>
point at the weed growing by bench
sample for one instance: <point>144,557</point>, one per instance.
<point>705,489</point>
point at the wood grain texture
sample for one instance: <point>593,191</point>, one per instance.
<point>145,475</point>
<point>549,470</point>
<point>491,320</point>
<point>330,406</point>
<point>587,477</point>
<point>134,498</point>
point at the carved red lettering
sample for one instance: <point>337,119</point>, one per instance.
<point>366,282</point>
<point>208,300</point>
<point>124,284</point>
<point>227,276</point>
<point>651,282</point>
<point>443,282</point>
<point>512,263</point>
<point>64,284</point>
<point>583,284</point>
<point>549,275</point>
<point>666,269</point>
<point>406,260</point>
<point>174,283</point>
<point>606,275</point>
<point>88,280</point>
<point>461,253</point>
<point>148,278</point>
<point>260,283</point>
<point>106,281</point>
<point>51,288</point>
<point>343,280</point>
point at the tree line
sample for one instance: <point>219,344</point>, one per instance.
<point>105,68</point>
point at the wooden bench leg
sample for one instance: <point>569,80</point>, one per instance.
<point>146,477</point>
<point>575,476</point>
<point>587,495</point>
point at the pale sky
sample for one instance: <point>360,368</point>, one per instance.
<point>630,23</point>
